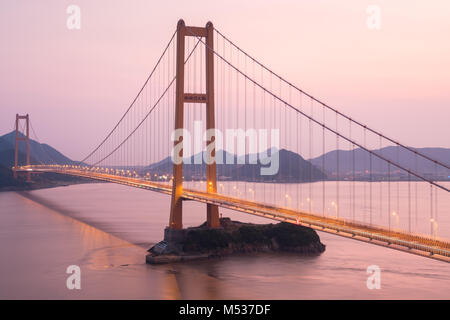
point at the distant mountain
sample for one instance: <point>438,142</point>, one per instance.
<point>403,157</point>
<point>39,153</point>
<point>292,168</point>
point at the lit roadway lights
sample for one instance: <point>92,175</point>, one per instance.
<point>210,186</point>
<point>310,203</point>
<point>252,192</point>
<point>334,204</point>
<point>434,227</point>
<point>288,199</point>
<point>397,218</point>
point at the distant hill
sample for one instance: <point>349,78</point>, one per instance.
<point>292,168</point>
<point>39,153</point>
<point>405,158</point>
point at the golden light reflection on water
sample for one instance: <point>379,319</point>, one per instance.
<point>170,288</point>
<point>102,251</point>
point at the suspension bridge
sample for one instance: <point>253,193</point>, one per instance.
<point>204,85</point>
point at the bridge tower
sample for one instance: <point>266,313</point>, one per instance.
<point>183,97</point>
<point>26,139</point>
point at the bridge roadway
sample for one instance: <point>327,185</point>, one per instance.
<point>422,245</point>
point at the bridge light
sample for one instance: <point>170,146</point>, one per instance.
<point>334,204</point>
<point>396,217</point>
<point>435,226</point>
<point>252,192</point>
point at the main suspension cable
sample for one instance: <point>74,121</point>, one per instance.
<point>133,102</point>
<point>147,115</point>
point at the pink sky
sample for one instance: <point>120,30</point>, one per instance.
<point>76,84</point>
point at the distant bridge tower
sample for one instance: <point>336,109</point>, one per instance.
<point>182,97</point>
<point>27,139</point>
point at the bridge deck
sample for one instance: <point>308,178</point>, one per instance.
<point>438,249</point>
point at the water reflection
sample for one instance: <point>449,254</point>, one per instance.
<point>108,239</point>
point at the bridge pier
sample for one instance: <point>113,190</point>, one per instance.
<point>174,238</point>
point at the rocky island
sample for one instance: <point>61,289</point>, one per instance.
<point>234,237</point>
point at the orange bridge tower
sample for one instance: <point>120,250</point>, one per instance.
<point>182,97</point>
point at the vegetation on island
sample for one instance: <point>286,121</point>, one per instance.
<point>235,237</point>
<point>283,236</point>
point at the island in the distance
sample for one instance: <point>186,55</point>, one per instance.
<point>234,237</point>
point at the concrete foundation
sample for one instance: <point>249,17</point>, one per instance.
<point>174,236</point>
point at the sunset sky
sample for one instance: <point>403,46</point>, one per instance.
<point>75,84</point>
